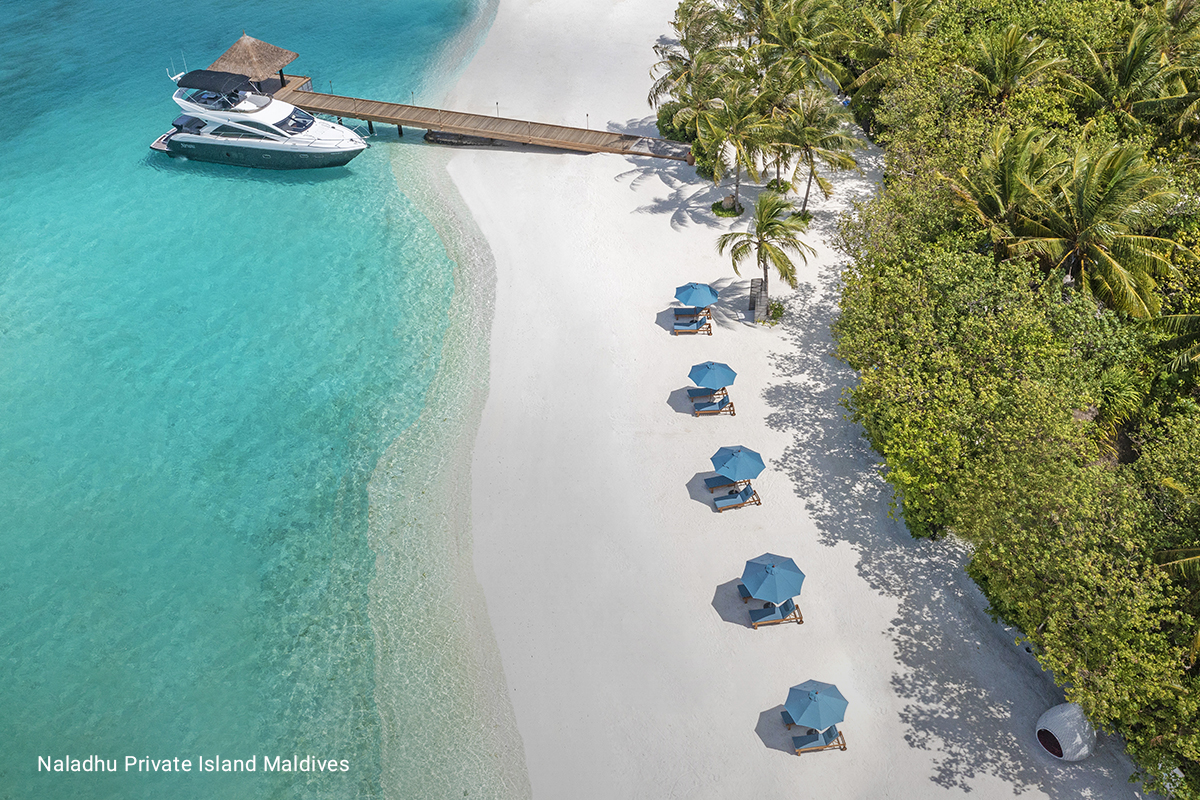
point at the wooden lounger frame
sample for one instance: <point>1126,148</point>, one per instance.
<point>705,328</point>
<point>837,744</point>
<point>795,617</point>
<point>687,312</point>
<point>754,498</point>
<point>728,409</point>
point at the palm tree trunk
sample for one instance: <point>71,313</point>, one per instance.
<point>737,184</point>
<point>766,297</point>
<point>811,171</point>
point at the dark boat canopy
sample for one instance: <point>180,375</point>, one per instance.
<point>219,82</point>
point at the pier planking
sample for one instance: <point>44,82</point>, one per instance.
<point>297,90</point>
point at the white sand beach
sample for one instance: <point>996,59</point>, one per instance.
<point>609,580</point>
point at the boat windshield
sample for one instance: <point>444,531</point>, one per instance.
<point>245,102</point>
<point>296,122</point>
<point>208,99</point>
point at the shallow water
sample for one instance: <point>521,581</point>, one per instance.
<point>199,367</point>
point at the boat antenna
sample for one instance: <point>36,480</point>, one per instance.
<point>181,55</point>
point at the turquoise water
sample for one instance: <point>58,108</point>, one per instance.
<point>199,367</point>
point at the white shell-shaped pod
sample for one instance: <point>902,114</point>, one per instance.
<point>1064,732</point>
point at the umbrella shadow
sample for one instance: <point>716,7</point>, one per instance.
<point>700,493</point>
<point>679,401</point>
<point>773,733</point>
<point>729,606</point>
<point>666,319</point>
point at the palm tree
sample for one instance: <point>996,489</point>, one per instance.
<point>1182,562</point>
<point>734,121</point>
<point>693,56</point>
<point>1181,22</point>
<point>806,41</point>
<point>1014,176</point>
<point>1089,228</point>
<point>817,131</point>
<point>1185,564</point>
<point>1134,83</point>
<point>1012,59</point>
<point>774,232</point>
<point>698,94</point>
<point>1186,337</point>
<point>905,19</point>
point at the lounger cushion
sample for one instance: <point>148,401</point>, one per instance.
<point>811,740</point>
<point>764,614</point>
<point>744,592</point>
<point>736,499</point>
<point>718,482</point>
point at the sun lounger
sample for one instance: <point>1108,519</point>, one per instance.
<point>692,311</point>
<point>723,406</point>
<point>705,395</point>
<point>744,592</point>
<point>828,739</point>
<point>744,497</point>
<point>784,612</point>
<point>698,325</point>
<point>721,482</point>
<point>787,720</point>
<point>765,616</point>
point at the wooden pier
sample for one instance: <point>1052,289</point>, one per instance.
<point>297,90</point>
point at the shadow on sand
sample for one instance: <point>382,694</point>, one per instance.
<point>700,493</point>
<point>773,733</point>
<point>679,401</point>
<point>729,606</point>
<point>970,695</point>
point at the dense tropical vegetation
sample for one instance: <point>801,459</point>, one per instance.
<point>1021,301</point>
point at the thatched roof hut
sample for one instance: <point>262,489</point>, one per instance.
<point>253,58</point>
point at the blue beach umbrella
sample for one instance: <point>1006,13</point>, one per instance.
<point>816,705</point>
<point>738,463</point>
<point>696,294</point>
<point>712,375</point>
<point>772,578</point>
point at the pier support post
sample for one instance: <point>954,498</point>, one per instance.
<point>400,130</point>
<point>371,127</point>
<point>282,82</point>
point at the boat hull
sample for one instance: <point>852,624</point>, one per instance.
<point>259,157</point>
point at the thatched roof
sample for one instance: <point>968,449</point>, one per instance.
<point>253,58</point>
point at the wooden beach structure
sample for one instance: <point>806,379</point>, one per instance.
<point>264,63</point>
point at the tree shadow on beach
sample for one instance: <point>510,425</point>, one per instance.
<point>637,126</point>
<point>971,695</point>
<point>689,199</point>
<point>729,606</point>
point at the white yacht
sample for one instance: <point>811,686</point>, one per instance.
<point>227,120</point>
